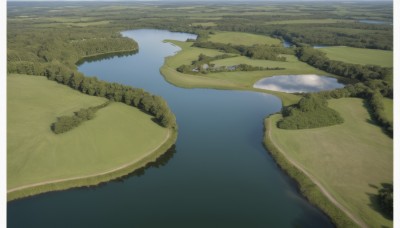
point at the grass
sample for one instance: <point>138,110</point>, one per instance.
<point>239,38</point>
<point>388,108</point>
<point>309,21</point>
<point>117,135</point>
<point>224,80</point>
<point>205,24</point>
<point>360,55</point>
<point>351,160</point>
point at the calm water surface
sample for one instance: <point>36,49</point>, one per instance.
<point>298,83</point>
<point>218,175</point>
<point>375,22</point>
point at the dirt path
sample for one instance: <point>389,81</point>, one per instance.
<point>93,175</point>
<point>315,181</point>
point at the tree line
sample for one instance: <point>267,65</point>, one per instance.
<point>319,60</point>
<point>266,52</point>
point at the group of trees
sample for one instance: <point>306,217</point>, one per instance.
<point>88,47</point>
<point>267,52</point>
<point>311,111</point>
<point>66,123</point>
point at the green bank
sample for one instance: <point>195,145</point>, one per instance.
<point>343,158</point>
<point>118,140</point>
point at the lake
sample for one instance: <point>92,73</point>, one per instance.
<point>217,175</point>
<point>298,83</point>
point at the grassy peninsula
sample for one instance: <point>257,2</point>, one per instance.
<point>118,140</point>
<point>343,158</point>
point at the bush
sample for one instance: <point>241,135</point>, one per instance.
<point>312,111</point>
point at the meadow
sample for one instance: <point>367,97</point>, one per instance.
<point>344,158</point>
<point>361,56</point>
<point>118,134</point>
<point>239,38</point>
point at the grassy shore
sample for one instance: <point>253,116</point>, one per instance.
<point>350,160</point>
<point>361,56</point>
<point>224,80</point>
<point>117,141</point>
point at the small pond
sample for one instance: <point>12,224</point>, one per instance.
<point>287,44</point>
<point>298,83</point>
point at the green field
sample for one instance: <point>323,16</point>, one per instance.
<point>388,108</point>
<point>309,21</point>
<point>205,24</point>
<point>350,160</point>
<point>118,134</point>
<point>223,80</point>
<point>360,55</point>
<point>240,38</point>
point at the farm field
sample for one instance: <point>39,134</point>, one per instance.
<point>239,38</point>
<point>361,56</point>
<point>345,160</point>
<point>117,135</point>
<point>309,21</point>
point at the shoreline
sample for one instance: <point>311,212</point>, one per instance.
<point>94,179</point>
<point>313,192</point>
<point>310,188</point>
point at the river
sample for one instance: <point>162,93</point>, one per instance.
<point>219,174</point>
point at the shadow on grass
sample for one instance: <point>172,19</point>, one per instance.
<point>372,121</point>
<point>374,200</point>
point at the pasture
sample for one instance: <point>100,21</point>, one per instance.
<point>117,135</point>
<point>351,160</point>
<point>361,56</point>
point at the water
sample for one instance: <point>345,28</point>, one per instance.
<point>375,22</point>
<point>218,175</point>
<point>298,83</point>
<point>320,46</point>
<point>287,44</point>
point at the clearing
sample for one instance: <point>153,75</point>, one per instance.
<point>361,56</point>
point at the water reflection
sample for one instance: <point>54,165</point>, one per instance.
<point>287,44</point>
<point>106,56</point>
<point>375,22</point>
<point>161,161</point>
<point>298,83</point>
